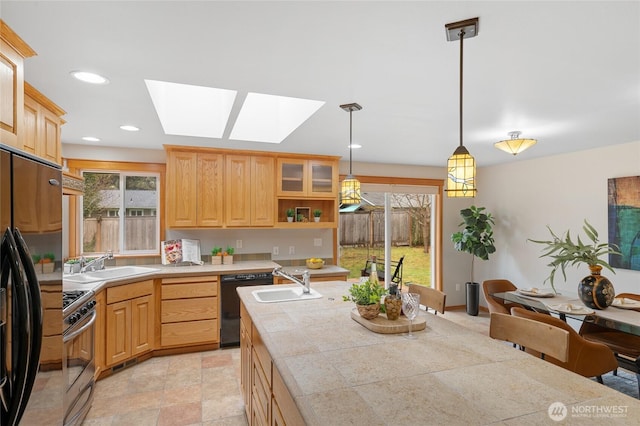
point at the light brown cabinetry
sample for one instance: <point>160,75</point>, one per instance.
<point>189,311</point>
<point>267,399</point>
<point>314,278</point>
<point>42,126</point>
<point>194,189</point>
<point>51,352</point>
<point>311,183</point>
<point>100,335</point>
<point>129,321</point>
<point>13,51</point>
<point>249,195</point>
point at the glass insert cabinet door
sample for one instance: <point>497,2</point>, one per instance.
<point>300,177</point>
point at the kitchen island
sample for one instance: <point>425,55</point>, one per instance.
<point>336,371</point>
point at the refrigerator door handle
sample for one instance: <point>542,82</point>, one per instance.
<point>35,310</point>
<point>20,332</point>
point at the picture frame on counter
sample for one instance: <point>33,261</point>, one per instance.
<point>303,214</point>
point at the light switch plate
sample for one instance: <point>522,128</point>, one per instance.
<point>317,242</point>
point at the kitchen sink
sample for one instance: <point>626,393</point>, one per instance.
<point>284,295</point>
<point>109,274</point>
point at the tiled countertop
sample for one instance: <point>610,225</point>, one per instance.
<point>341,373</point>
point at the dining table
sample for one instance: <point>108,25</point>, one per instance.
<point>619,316</point>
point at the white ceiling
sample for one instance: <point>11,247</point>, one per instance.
<point>566,73</point>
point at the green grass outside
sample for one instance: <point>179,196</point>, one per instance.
<point>416,264</point>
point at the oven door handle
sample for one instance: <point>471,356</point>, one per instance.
<point>71,336</point>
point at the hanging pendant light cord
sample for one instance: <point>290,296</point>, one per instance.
<point>350,138</point>
<point>462,33</point>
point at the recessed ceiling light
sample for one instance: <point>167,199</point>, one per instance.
<point>188,110</point>
<point>270,118</point>
<point>90,77</point>
<point>90,139</point>
<point>354,146</point>
<point>129,128</point>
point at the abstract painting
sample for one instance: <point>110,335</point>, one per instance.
<point>624,221</point>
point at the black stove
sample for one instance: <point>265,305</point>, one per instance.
<point>70,296</point>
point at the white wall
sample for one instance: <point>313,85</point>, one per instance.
<point>560,191</point>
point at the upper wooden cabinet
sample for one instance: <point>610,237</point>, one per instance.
<point>42,126</point>
<point>299,177</point>
<point>249,193</point>
<point>194,189</point>
<point>210,187</point>
<point>13,51</point>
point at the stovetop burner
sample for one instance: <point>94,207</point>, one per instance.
<point>69,297</point>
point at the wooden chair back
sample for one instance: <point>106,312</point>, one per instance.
<point>429,297</point>
<point>541,337</point>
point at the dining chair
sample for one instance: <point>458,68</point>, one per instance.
<point>625,346</point>
<point>589,359</point>
<point>545,339</point>
<point>498,286</point>
<point>429,297</point>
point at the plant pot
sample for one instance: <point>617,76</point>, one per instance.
<point>289,219</point>
<point>216,260</point>
<point>393,307</point>
<point>369,311</point>
<point>316,219</point>
<point>227,260</point>
<point>47,268</point>
<point>473,298</point>
<point>595,290</point>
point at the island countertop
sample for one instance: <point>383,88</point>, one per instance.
<point>338,372</point>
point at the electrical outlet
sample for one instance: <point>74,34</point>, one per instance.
<point>276,250</point>
<point>317,242</point>
<point>292,250</point>
<point>457,287</point>
<point>238,243</point>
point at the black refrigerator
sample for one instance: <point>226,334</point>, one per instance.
<point>31,381</point>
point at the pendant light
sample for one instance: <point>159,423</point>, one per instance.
<point>515,145</point>
<point>461,166</point>
<point>350,188</point>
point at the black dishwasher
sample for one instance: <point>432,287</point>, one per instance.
<point>230,301</point>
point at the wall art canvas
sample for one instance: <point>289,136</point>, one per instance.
<point>624,221</point>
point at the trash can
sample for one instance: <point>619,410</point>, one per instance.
<point>473,298</point>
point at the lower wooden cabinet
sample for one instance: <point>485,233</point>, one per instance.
<point>189,311</point>
<point>100,332</point>
<point>130,318</point>
<point>267,399</point>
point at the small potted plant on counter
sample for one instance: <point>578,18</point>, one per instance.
<point>316,215</point>
<point>37,265</point>
<point>48,263</point>
<point>216,256</point>
<point>290,214</point>
<point>366,295</point>
<point>72,266</point>
<point>227,256</point>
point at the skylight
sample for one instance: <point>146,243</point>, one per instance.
<point>188,110</point>
<point>270,118</point>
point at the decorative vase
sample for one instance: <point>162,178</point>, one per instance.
<point>393,307</point>
<point>227,260</point>
<point>369,311</point>
<point>595,290</point>
<point>216,260</point>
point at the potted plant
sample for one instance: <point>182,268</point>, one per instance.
<point>476,238</point>
<point>216,256</point>
<point>316,215</point>
<point>227,256</point>
<point>48,263</point>
<point>366,295</point>
<point>595,290</point>
<point>290,214</point>
<point>72,266</point>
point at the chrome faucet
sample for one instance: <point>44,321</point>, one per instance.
<point>91,265</point>
<point>305,282</point>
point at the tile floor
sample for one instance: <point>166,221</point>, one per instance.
<point>204,388</point>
